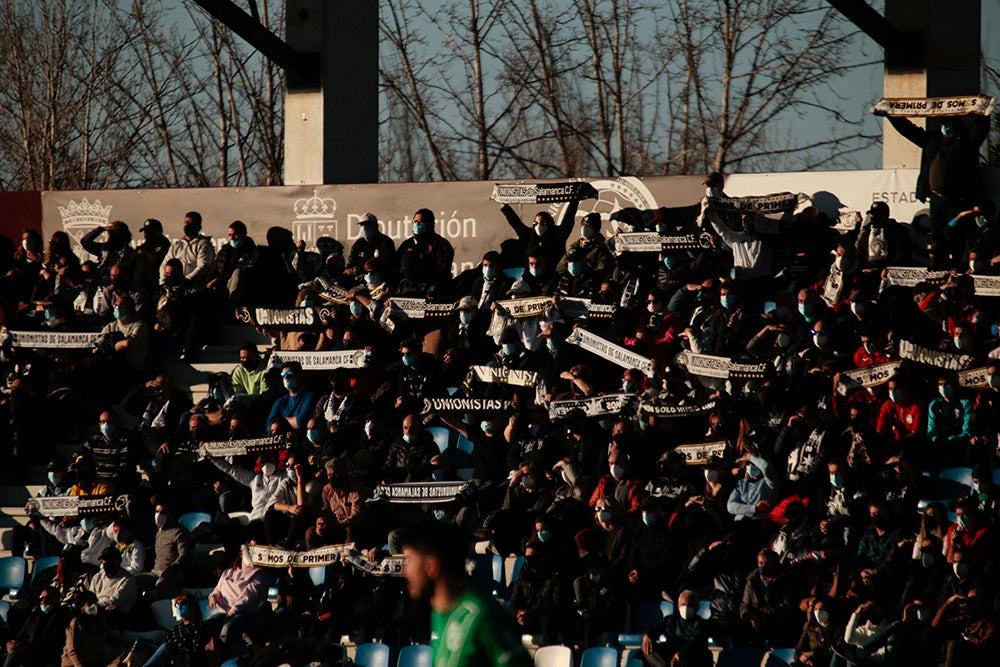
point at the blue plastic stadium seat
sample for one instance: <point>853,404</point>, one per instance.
<point>781,657</point>
<point>635,658</point>
<point>514,272</point>
<point>41,565</point>
<point>372,655</point>
<point>418,655</point>
<point>4,608</point>
<point>194,519</point>
<point>13,575</point>
<point>739,657</point>
<point>600,656</point>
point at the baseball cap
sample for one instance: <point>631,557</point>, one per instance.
<point>151,223</point>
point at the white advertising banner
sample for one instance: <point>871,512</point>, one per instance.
<point>464,212</point>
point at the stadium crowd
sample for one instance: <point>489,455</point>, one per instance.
<point>826,517</point>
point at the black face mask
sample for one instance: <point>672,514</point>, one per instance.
<point>191,230</point>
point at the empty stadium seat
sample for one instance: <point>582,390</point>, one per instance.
<point>372,655</point>
<point>417,655</point>
<point>599,656</point>
<point>554,656</point>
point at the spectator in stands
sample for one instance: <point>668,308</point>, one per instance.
<point>229,277</point>
<point>86,634</point>
<point>370,244</point>
<point>185,642</point>
<point>115,250</point>
<point>113,451</point>
<point>425,258</point>
<point>544,237</point>
<point>241,590</point>
<point>263,485</point>
<point>119,284</point>
<point>39,641</point>
<point>291,412</point>
<point>409,456</point>
<point>173,553</point>
<point>149,255</point>
<point>124,345</point>
<point>949,155</point>
<point>194,251</point>
<point>594,253</point>
<point>115,588</point>
<point>685,636</point>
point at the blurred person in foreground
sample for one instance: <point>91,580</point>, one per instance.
<point>471,628</point>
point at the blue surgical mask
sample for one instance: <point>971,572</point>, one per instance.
<point>552,344</point>
<point>896,396</point>
<point>490,272</point>
<point>307,303</point>
<point>662,229</point>
<point>837,480</point>
<point>509,349</point>
<point>649,518</point>
<point>982,222</point>
<point>947,129</point>
<point>753,472</point>
<point>55,478</point>
<point>367,231</point>
<point>119,313</point>
<point>291,474</point>
<point>534,271</point>
<point>439,515</point>
<point>372,278</point>
<point>107,429</point>
<point>291,383</point>
<point>217,393</point>
<point>419,228</point>
<point>542,228</point>
<point>45,608</point>
<point>407,438</point>
<point>574,268</point>
<point>235,243</point>
<point>946,391</point>
<point>803,310</point>
<point>727,301</point>
<point>87,524</point>
<point>314,435</point>
<point>466,317</point>
<point>486,426</point>
<point>50,314</point>
<point>671,261</point>
<point>410,360</point>
<point>357,308</point>
<point>544,535</point>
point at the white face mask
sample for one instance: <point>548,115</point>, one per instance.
<point>838,261</point>
<point>161,519</point>
<point>711,475</point>
<point>822,616</point>
<point>369,428</point>
<point>784,340</point>
<point>268,469</point>
<point>247,560</point>
<point>960,569</point>
<point>617,471</point>
<point>858,308</point>
<point>604,515</point>
<point>90,610</point>
<point>688,612</point>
